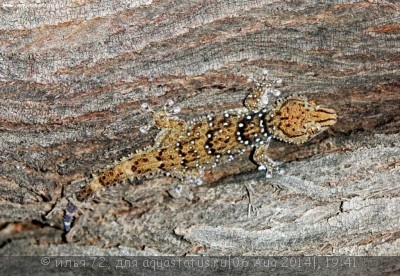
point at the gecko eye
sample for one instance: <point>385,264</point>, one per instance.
<point>314,129</point>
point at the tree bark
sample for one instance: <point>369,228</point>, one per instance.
<point>73,78</point>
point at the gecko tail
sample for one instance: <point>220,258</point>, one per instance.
<point>69,215</point>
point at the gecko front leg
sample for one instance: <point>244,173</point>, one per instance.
<point>258,98</point>
<point>264,162</point>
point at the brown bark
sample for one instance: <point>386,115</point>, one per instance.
<point>73,79</point>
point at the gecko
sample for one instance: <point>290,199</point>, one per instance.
<point>185,150</point>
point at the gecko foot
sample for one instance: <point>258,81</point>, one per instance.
<point>271,167</point>
<point>73,206</point>
<point>69,215</point>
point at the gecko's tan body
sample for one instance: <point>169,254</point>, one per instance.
<point>186,149</point>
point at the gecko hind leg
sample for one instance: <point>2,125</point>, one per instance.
<point>264,162</point>
<point>59,207</point>
<point>258,98</point>
<point>191,176</point>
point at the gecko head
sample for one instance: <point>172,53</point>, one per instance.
<point>297,120</point>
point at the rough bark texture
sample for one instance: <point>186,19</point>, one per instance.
<point>74,74</point>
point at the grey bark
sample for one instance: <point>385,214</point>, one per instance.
<point>74,74</point>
